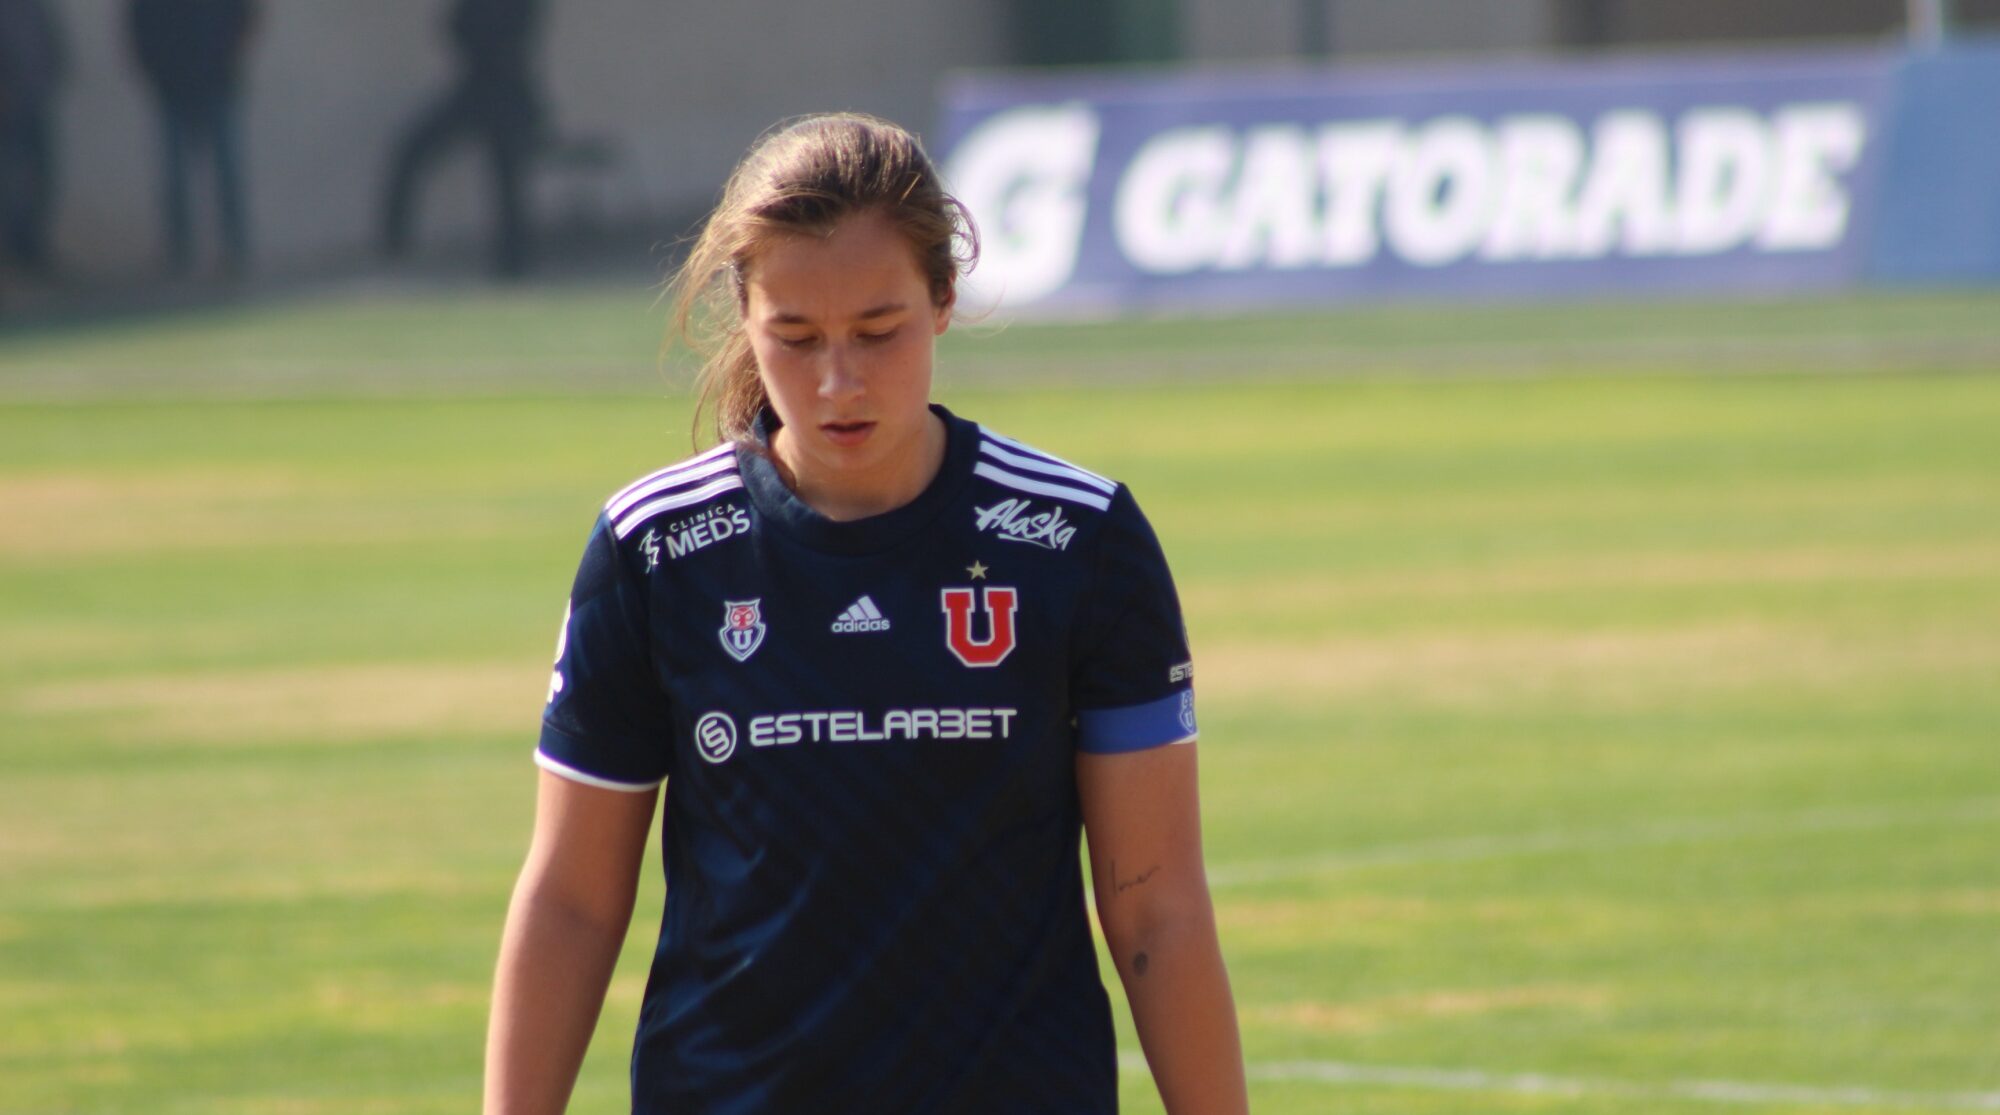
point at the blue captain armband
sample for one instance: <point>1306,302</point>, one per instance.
<point>1112,731</point>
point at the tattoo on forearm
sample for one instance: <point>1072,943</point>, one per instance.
<point>1120,886</point>
<point>1139,964</point>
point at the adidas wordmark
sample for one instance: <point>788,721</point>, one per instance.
<point>862,615</point>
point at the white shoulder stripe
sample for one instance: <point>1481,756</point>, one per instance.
<point>1041,487</point>
<point>678,479</point>
<point>669,502</point>
<point>1036,464</point>
<point>1049,457</point>
<point>723,450</point>
<point>575,775</point>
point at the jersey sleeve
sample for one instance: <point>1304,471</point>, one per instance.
<point>606,723</point>
<point>1133,683</point>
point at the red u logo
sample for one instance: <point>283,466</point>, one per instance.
<point>999,641</point>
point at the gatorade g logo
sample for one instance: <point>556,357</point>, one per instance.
<point>958,637</point>
<point>1025,173</point>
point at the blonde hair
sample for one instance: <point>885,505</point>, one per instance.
<point>804,178</point>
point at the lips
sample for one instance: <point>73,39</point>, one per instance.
<point>847,434</point>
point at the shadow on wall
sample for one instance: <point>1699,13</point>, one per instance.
<point>554,199</point>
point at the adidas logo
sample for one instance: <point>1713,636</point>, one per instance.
<point>862,615</point>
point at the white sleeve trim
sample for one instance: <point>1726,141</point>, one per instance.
<point>575,775</point>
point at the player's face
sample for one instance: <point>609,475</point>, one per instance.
<point>843,328</point>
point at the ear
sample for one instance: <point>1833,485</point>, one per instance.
<point>942,311</point>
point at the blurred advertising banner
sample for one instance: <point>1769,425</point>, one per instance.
<point>1749,173</point>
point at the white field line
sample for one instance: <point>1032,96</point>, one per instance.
<point>1539,1084</point>
<point>1468,849</point>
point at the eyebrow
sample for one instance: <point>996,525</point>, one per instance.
<point>884,310</point>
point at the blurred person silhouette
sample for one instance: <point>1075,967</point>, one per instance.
<point>493,100</point>
<point>33,63</point>
<point>192,53</point>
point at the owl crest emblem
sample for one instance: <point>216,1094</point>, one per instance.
<point>742,628</point>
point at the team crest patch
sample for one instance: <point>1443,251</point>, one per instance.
<point>742,628</point>
<point>999,606</point>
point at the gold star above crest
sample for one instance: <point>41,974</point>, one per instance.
<point>977,570</point>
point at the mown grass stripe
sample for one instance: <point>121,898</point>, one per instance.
<point>1738,1092</point>
<point>1489,846</point>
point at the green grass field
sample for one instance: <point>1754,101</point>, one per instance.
<point>1601,704</point>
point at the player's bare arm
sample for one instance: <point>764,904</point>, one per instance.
<point>1143,820</point>
<point>568,918</point>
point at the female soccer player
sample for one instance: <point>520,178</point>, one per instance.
<point>889,665</point>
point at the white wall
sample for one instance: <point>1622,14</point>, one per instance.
<point>682,87</point>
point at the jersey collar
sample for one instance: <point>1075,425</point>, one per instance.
<point>778,505</point>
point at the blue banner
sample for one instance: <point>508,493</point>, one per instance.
<point>1938,209</point>
<point>1754,173</point>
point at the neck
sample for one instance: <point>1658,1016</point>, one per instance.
<point>844,496</point>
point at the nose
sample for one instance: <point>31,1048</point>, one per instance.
<point>838,380</point>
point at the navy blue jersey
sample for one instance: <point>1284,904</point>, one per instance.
<point>868,733</point>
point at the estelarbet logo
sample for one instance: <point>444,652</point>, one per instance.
<point>715,736</point>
